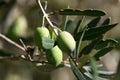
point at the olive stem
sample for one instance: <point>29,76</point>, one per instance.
<point>44,13</point>
<point>46,16</point>
<point>43,20</point>
<point>12,42</point>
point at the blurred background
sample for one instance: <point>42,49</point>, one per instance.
<point>27,15</point>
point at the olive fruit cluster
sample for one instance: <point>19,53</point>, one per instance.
<point>54,54</point>
<point>64,43</point>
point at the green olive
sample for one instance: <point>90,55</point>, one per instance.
<point>40,32</point>
<point>52,34</point>
<point>54,56</point>
<point>18,28</point>
<point>66,42</point>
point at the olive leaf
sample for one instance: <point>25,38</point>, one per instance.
<point>106,42</point>
<point>68,25</point>
<point>77,28</point>
<point>102,52</point>
<point>79,25</point>
<point>89,12</point>
<point>79,75</point>
<point>94,22</point>
<point>47,43</point>
<point>79,42</point>
<point>95,32</point>
<point>94,69</point>
<point>87,49</point>
<point>106,22</point>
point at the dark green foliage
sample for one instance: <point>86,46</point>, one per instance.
<point>68,25</point>
<point>87,49</point>
<point>95,32</point>
<point>102,52</point>
<point>94,22</point>
<point>106,22</point>
<point>81,13</point>
<point>105,43</point>
<point>77,29</point>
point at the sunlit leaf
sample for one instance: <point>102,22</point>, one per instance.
<point>88,76</point>
<point>106,73</point>
<point>76,71</point>
<point>94,69</point>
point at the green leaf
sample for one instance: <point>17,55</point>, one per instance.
<point>106,73</point>
<point>64,20</point>
<point>47,43</point>
<point>79,75</point>
<point>94,69</point>
<point>102,73</point>
<point>77,29</point>
<point>106,42</point>
<point>68,25</point>
<point>87,49</point>
<point>79,25</point>
<point>88,76</point>
<point>106,22</point>
<point>89,12</point>
<point>78,45</point>
<point>94,32</point>
<point>94,22</point>
<point>102,52</point>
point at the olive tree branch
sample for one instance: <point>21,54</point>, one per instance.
<point>12,42</point>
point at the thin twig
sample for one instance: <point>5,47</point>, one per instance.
<point>43,20</point>
<point>44,13</point>
<point>23,44</point>
<point>12,42</point>
<point>46,16</point>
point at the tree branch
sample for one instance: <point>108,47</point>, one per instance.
<point>12,42</point>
